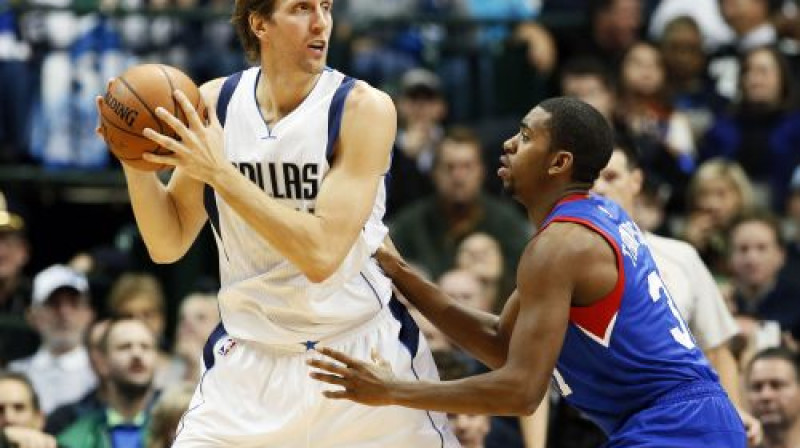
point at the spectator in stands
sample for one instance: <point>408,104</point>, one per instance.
<point>140,296</point>
<point>128,363</point>
<point>757,258</point>
<point>197,318</point>
<point>465,287</point>
<point>705,13</point>
<point>167,414</point>
<point>718,192</point>
<point>773,392</point>
<point>750,22</point>
<point>481,255</point>
<point>65,415</point>
<point>589,80</point>
<point>60,370</point>
<point>762,131</point>
<point>689,88</point>
<point>471,430</point>
<point>21,418</point>
<point>421,109</point>
<point>662,134</point>
<point>429,231</point>
<point>614,26</point>
<point>17,338</point>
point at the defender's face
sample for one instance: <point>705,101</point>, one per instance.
<point>524,163</point>
<point>299,33</point>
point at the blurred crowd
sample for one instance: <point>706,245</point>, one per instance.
<point>702,94</point>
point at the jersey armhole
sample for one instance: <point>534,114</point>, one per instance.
<point>598,317</point>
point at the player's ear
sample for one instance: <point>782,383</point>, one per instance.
<point>258,26</point>
<point>561,162</point>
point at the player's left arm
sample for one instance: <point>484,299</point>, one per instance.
<point>315,243</point>
<point>545,287</point>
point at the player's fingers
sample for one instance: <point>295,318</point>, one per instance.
<point>173,122</point>
<point>158,158</point>
<point>164,141</point>
<point>328,378</point>
<point>339,356</point>
<point>195,122</point>
<point>328,366</point>
<point>337,394</point>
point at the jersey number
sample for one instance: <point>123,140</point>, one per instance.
<point>680,333</point>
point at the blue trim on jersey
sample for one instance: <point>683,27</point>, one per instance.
<point>409,332</point>
<point>375,291</point>
<point>335,114</point>
<point>225,94</point>
<point>210,203</point>
<point>428,413</point>
<point>208,351</point>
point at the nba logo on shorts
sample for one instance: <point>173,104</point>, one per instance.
<point>226,346</point>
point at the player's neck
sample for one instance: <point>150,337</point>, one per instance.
<point>279,92</point>
<point>539,210</point>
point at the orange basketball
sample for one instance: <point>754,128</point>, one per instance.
<point>129,106</point>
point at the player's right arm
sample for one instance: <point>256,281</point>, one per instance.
<point>169,217</point>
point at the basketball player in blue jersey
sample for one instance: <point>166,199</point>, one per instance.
<point>590,311</point>
<point>289,172</point>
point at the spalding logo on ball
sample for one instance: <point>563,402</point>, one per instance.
<point>129,106</point>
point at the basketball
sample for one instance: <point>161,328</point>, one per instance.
<point>129,106</point>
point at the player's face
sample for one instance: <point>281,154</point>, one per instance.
<point>299,34</point>
<point>774,393</point>
<point>16,406</point>
<point>524,163</point>
<point>616,181</point>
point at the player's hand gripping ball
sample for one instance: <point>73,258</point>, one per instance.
<point>128,107</point>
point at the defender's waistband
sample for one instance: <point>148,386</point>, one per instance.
<point>690,391</point>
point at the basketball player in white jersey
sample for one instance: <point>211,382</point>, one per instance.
<point>289,170</point>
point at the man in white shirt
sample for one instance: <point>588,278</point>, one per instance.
<point>690,284</point>
<point>60,311</point>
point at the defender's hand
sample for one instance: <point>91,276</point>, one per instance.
<point>389,258</point>
<point>755,433</point>
<point>365,383</point>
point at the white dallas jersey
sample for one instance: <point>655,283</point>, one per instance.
<point>264,297</point>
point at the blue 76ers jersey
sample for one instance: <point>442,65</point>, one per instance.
<point>632,346</point>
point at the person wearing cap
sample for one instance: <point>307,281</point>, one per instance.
<point>17,338</point>
<point>60,311</point>
<point>421,109</point>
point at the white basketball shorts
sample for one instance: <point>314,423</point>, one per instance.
<point>257,396</point>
